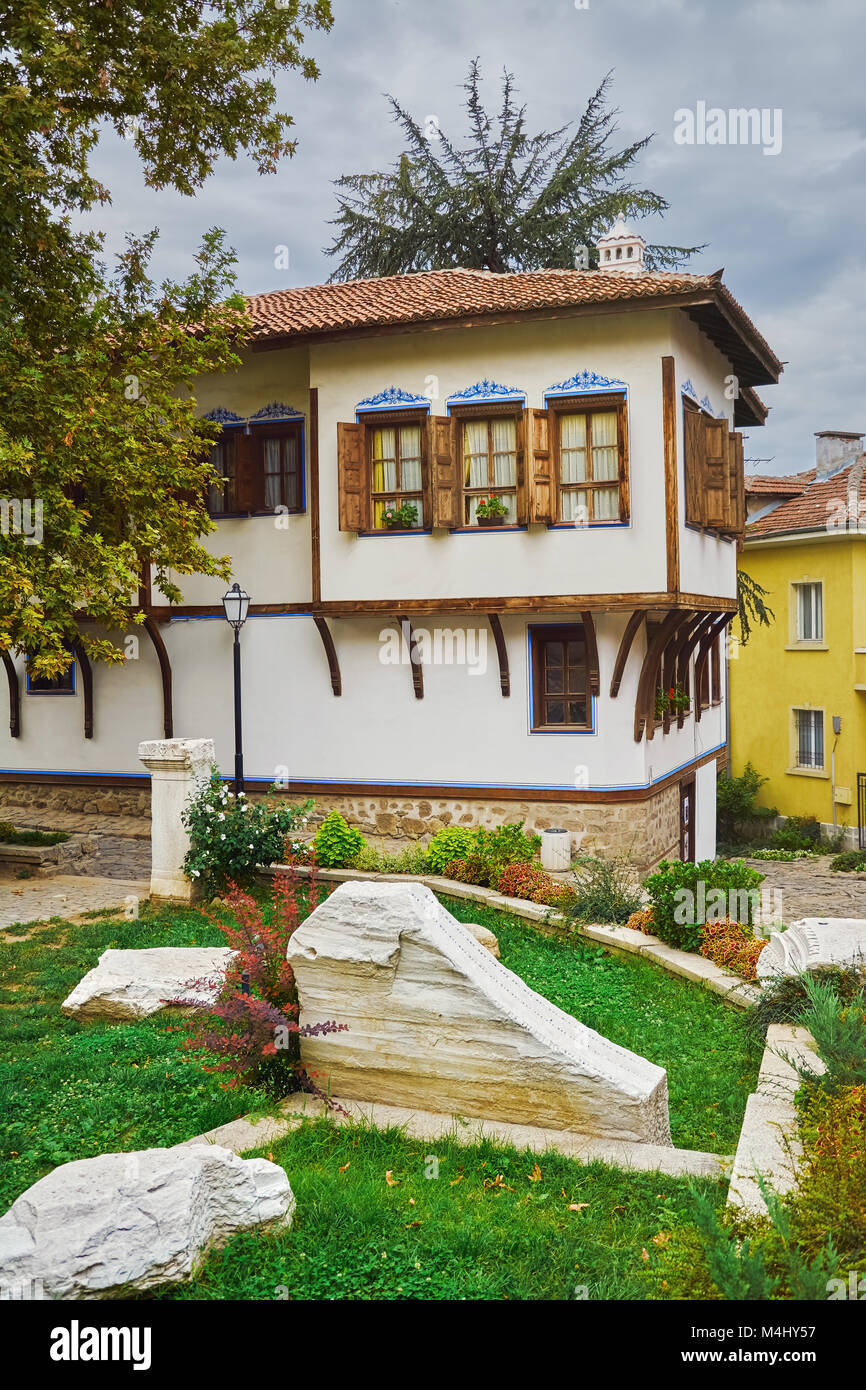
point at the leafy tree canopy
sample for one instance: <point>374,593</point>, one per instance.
<point>103,463</point>
<point>505,200</point>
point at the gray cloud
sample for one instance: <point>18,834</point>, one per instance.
<point>788,229</point>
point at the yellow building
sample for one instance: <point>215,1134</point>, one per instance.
<point>798,688</point>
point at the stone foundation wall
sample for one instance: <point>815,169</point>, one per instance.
<point>645,831</point>
<point>77,798</point>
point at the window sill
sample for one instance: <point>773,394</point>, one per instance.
<point>806,647</point>
<point>395,531</point>
<point>49,694</point>
<point>244,516</point>
<point>562,729</point>
<point>819,772</point>
<point>486,530</point>
<point>585,525</point>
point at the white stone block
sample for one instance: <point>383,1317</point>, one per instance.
<point>435,1023</point>
<point>131,1221</point>
<point>813,942</point>
<point>135,984</point>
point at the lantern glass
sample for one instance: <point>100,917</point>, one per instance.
<point>236,604</point>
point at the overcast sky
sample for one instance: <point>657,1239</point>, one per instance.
<point>788,228</point>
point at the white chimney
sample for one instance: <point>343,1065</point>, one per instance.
<point>834,449</point>
<point>621,250</point>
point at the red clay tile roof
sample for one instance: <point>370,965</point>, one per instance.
<point>768,485</point>
<point>437,295</point>
<point>817,502</point>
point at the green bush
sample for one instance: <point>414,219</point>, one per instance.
<point>852,862</point>
<point>507,844</point>
<point>681,907</point>
<point>230,836</point>
<point>798,832</point>
<point>337,843</point>
<point>785,998</point>
<point>411,860</point>
<point>605,891</point>
<point>452,842</point>
<point>735,802</point>
<point>10,836</point>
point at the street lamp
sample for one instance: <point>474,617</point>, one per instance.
<point>237,604</point>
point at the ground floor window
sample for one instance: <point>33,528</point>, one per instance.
<point>809,734</point>
<point>561,697</point>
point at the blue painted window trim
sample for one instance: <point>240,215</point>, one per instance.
<point>530,703</point>
<point>587,384</point>
<point>486,392</point>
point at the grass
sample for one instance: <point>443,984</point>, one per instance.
<point>70,1090</point>
<point>33,837</point>
<point>689,1031</point>
<point>480,1223</point>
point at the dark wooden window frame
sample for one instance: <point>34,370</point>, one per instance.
<point>586,405</point>
<point>259,432</point>
<point>493,410</point>
<point>539,634</point>
<point>396,419</point>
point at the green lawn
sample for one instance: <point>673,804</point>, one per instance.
<point>490,1225</point>
<point>70,1090</point>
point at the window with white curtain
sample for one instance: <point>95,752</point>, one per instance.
<point>589,466</point>
<point>810,612</point>
<point>397,471</point>
<point>490,464</point>
<point>809,730</point>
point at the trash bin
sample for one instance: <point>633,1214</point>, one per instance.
<point>556,850</point>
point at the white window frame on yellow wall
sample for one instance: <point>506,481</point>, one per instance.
<point>815,614</point>
<point>795,767</point>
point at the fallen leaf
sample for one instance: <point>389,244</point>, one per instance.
<point>498,1181</point>
<point>578,1206</point>
<point>644,1254</point>
<point>390,1179</point>
<point>563,1192</point>
<point>455,1181</point>
<point>409,1224</point>
<point>662,1239</point>
<point>535,1175</point>
<point>345,1166</point>
<point>411,1201</point>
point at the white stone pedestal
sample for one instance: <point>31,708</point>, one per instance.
<point>556,851</point>
<point>176,767</point>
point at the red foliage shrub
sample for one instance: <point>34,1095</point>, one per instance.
<point>522,880</point>
<point>732,945</point>
<point>253,1028</point>
<point>642,920</point>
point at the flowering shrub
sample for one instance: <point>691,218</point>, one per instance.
<point>642,920</point>
<point>253,1029</point>
<point>490,506</point>
<point>733,946</point>
<point>394,517</point>
<point>230,835</point>
<point>337,842</point>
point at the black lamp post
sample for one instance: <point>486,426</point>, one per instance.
<point>236,604</point>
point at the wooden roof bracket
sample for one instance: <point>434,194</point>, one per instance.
<point>414,656</point>
<point>14,696</point>
<point>151,627</point>
<point>331,653</point>
<point>87,684</point>
<point>501,653</point>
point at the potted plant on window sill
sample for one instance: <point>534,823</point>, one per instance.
<point>675,700</point>
<point>491,511</point>
<point>402,518</point>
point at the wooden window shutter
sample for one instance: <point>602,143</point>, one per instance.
<point>442,452</point>
<point>737,483</point>
<point>541,480</point>
<point>352,478</point>
<point>693,436</point>
<point>247,490</point>
<point>716,487</point>
<point>523,513</point>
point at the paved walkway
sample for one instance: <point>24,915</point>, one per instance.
<point>64,895</point>
<point>809,889</point>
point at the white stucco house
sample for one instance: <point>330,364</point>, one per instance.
<point>449,670</point>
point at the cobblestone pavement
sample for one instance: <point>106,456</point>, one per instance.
<point>809,889</point>
<point>64,896</point>
<point>77,823</point>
